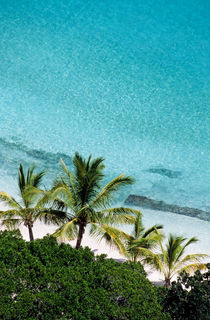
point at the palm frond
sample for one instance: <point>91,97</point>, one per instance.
<point>88,176</point>
<point>11,223</point>
<point>31,179</point>
<point>173,248</point>
<point>95,173</point>
<point>152,230</point>
<point>70,176</point>
<point>29,176</point>
<point>112,236</point>
<point>116,216</point>
<point>37,179</point>
<point>105,196</point>
<point>135,246</point>
<point>190,241</point>
<point>168,261</point>
<point>82,167</point>
<point>138,244</point>
<point>193,267</point>
<point>61,193</point>
<point>79,165</point>
<point>153,260</point>
<point>11,213</point>
<point>9,201</point>
<point>140,254</point>
<point>157,238</point>
<point>21,178</point>
<point>51,216</point>
<point>138,226</point>
<point>163,254</point>
<point>31,193</point>
<point>68,230</point>
<point>190,258</point>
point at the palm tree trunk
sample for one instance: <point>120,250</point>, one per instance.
<point>167,282</point>
<point>135,258</point>
<point>80,234</point>
<point>31,236</point>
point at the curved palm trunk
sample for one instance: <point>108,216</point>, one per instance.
<point>80,234</point>
<point>31,236</point>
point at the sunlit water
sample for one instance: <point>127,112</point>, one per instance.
<point>126,80</point>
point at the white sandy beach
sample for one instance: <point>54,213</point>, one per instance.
<point>173,223</point>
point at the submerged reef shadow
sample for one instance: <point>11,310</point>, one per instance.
<point>165,172</point>
<point>12,153</point>
<point>145,202</point>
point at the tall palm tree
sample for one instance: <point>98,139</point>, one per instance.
<point>80,195</point>
<point>171,259</point>
<point>140,243</point>
<point>25,210</point>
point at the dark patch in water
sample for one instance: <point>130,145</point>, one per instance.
<point>144,202</point>
<point>12,153</point>
<point>165,172</point>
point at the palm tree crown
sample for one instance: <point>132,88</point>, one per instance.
<point>79,193</point>
<point>171,259</point>
<point>27,210</point>
<point>140,243</point>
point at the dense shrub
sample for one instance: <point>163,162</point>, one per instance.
<point>189,297</point>
<point>45,280</point>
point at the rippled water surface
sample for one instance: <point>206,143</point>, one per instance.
<point>127,80</point>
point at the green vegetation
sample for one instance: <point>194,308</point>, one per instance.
<point>140,243</point>
<point>44,280</point>
<point>80,196</point>
<point>171,260</point>
<point>189,297</point>
<point>25,210</point>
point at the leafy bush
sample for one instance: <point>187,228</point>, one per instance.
<point>189,297</point>
<point>44,280</point>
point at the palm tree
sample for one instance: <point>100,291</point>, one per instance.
<point>171,259</point>
<point>79,194</point>
<point>140,243</point>
<point>26,210</point>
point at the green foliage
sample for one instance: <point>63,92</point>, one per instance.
<point>27,209</point>
<point>171,260</point>
<point>79,193</point>
<point>32,179</point>
<point>44,280</point>
<point>189,297</point>
<point>140,243</point>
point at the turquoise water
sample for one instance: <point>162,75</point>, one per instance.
<point>127,80</point>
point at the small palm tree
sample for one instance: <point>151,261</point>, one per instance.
<point>80,195</point>
<point>171,259</point>
<point>140,243</point>
<point>26,210</point>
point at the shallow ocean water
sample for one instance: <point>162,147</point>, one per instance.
<point>126,80</point>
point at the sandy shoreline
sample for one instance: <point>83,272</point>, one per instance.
<point>98,247</point>
<point>173,223</point>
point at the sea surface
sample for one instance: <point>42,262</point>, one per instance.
<point>126,80</point>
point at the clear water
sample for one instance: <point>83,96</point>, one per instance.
<point>127,80</point>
